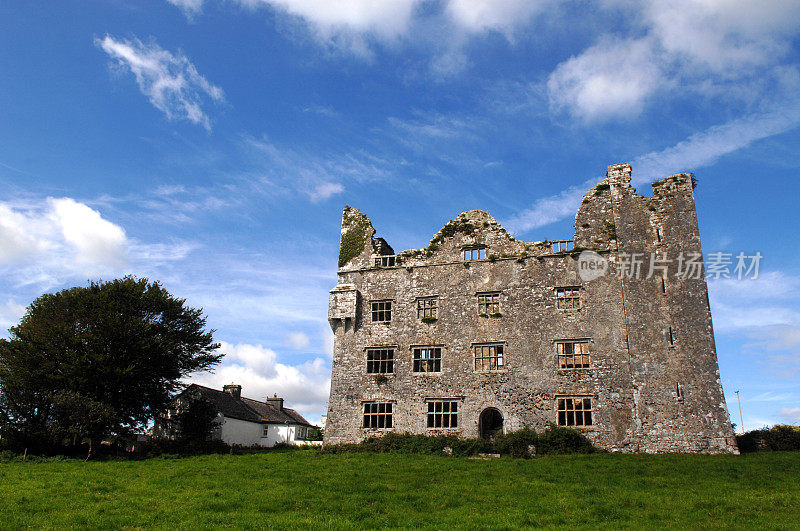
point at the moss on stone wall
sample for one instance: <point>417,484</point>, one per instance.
<point>354,238</point>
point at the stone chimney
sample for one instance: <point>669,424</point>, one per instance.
<point>275,402</point>
<point>234,390</point>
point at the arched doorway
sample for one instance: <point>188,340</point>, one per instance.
<point>490,422</point>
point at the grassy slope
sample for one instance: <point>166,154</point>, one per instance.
<point>357,490</point>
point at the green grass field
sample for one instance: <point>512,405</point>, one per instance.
<point>304,489</point>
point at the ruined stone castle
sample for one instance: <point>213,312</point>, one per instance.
<point>481,332</point>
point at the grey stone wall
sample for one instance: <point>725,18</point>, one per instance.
<point>634,372</point>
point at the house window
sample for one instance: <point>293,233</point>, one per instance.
<point>568,298</point>
<point>574,411</point>
<point>384,261</point>
<point>378,415</point>
<point>489,357</point>
<point>265,433</point>
<point>380,360</point>
<point>474,253</point>
<point>442,414</point>
<point>381,311</point>
<point>427,307</point>
<point>301,433</point>
<point>573,354</point>
<point>428,359</point>
<point>489,303</point>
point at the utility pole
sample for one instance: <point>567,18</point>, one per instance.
<point>740,411</point>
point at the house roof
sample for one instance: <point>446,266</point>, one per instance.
<point>247,409</point>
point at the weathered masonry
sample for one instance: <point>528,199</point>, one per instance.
<point>481,332</point>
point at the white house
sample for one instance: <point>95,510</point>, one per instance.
<point>242,421</point>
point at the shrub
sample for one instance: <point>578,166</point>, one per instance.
<point>561,440</point>
<point>777,438</point>
<point>554,440</point>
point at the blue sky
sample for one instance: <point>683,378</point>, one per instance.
<point>212,144</point>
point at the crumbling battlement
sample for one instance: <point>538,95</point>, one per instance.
<point>595,227</point>
<point>487,328</point>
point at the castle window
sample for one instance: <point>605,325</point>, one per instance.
<point>560,246</point>
<point>381,311</point>
<point>442,414</point>
<point>573,354</point>
<point>679,392</point>
<point>427,359</point>
<point>474,253</point>
<point>380,360</point>
<point>378,415</point>
<point>489,303</point>
<point>384,261</point>
<point>671,336</point>
<point>574,411</point>
<point>568,298</point>
<point>427,307</point>
<point>489,357</point>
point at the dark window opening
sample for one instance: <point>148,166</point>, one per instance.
<point>380,361</point>
<point>442,414</point>
<point>378,415</point>
<point>574,411</point>
<point>381,311</point>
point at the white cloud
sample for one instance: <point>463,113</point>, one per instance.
<point>324,190</point>
<point>791,414</point>
<point>60,236</point>
<point>170,81</point>
<point>55,240</point>
<point>190,8</point>
<point>95,239</point>
<point>676,46</point>
<point>304,387</point>
<point>499,15</point>
<point>612,78</point>
<point>298,340</point>
<point>723,35</point>
<point>348,24</point>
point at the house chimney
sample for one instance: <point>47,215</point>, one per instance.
<point>275,402</point>
<point>234,390</point>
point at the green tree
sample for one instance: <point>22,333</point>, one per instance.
<point>197,420</point>
<point>98,360</point>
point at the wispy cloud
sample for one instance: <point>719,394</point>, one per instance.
<point>705,148</point>
<point>318,176</point>
<point>549,209</point>
<point>170,81</point>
